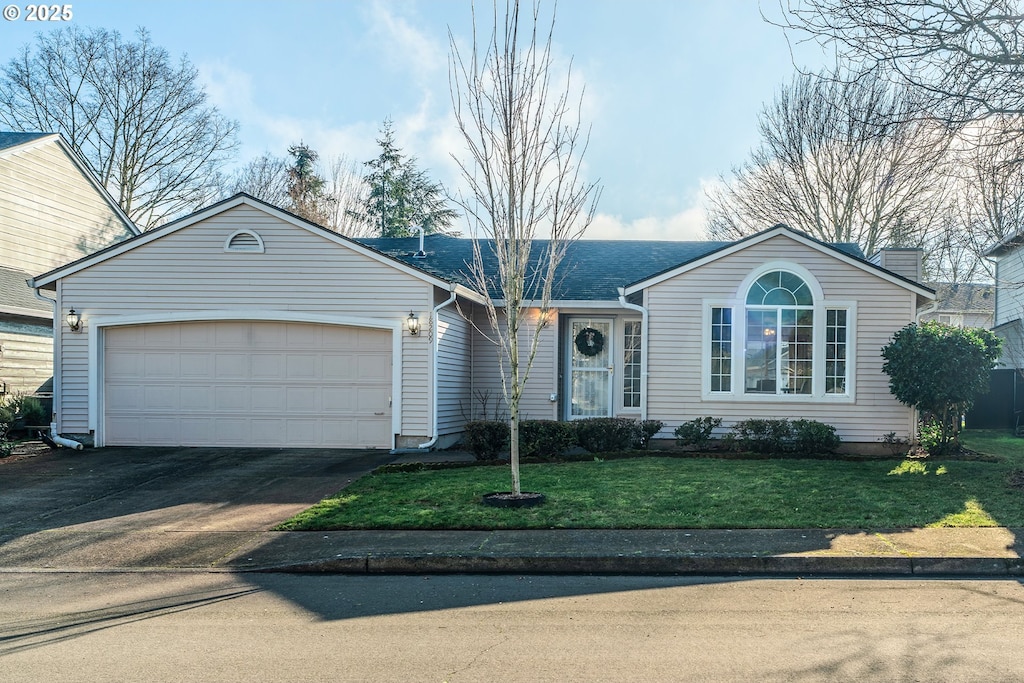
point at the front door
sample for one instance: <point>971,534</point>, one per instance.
<point>590,368</point>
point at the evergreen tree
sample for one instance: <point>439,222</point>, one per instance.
<point>401,196</point>
<point>306,189</point>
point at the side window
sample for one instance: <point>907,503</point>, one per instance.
<point>721,349</point>
<point>631,364</point>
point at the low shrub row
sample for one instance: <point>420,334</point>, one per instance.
<point>776,436</point>
<point>547,439</point>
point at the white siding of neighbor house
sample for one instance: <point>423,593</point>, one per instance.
<point>455,370</point>
<point>50,214</point>
<point>188,271</point>
<point>26,355</point>
<point>1009,292</point>
<point>535,403</point>
<point>676,334</point>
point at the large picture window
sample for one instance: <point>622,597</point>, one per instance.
<point>782,338</point>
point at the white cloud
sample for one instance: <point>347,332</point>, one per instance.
<point>688,224</point>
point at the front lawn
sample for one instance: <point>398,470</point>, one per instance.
<point>698,493</point>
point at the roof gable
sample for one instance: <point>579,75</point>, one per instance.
<point>48,279</point>
<point>847,253</point>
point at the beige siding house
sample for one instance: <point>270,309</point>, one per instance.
<point>52,210</point>
<point>245,325</point>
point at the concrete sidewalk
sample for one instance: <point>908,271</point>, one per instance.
<point>985,552</point>
<point>918,552</point>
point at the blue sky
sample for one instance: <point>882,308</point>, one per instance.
<point>673,87</point>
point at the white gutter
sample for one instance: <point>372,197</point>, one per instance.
<point>59,440</point>
<point>435,391</point>
<point>643,349</point>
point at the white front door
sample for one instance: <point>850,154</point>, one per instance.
<point>591,370</point>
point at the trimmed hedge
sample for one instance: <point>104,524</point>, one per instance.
<point>545,439</point>
<point>486,439</point>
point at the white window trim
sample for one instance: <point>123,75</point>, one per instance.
<point>739,332</point>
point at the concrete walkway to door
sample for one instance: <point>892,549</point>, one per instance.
<point>160,507</point>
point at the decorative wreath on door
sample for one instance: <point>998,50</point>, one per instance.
<point>589,341</point>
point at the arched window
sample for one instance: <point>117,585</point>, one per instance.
<point>779,335</point>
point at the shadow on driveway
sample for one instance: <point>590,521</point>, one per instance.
<point>119,506</point>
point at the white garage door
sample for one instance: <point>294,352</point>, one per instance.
<point>247,384</point>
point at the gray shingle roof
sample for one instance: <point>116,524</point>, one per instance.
<point>592,270</point>
<point>8,139</point>
<point>15,293</point>
<point>968,296</point>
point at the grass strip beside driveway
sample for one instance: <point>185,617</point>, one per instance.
<point>663,492</point>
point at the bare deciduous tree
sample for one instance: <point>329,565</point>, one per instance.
<point>141,122</point>
<point>965,56</point>
<point>525,144</point>
<point>841,160</point>
<point>267,177</point>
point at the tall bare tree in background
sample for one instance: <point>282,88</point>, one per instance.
<point>844,160</point>
<point>965,56</point>
<point>525,142</point>
<point>271,178</point>
<point>139,119</point>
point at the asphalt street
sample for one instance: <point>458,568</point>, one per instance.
<point>274,627</point>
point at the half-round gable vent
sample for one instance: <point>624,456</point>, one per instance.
<point>244,240</point>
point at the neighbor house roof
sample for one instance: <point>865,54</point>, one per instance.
<point>17,299</point>
<point>968,296</point>
<point>1006,245</point>
<point>8,139</point>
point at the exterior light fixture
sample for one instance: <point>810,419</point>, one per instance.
<point>414,324</point>
<point>74,321</point>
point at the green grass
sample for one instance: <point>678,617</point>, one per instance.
<point>660,492</point>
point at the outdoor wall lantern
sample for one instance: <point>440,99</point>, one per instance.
<point>414,324</point>
<point>74,321</point>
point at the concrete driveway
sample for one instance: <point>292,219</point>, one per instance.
<point>159,507</point>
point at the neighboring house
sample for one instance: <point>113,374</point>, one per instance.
<point>1008,319</point>
<point>962,305</point>
<point>245,325</point>
<point>52,210</point>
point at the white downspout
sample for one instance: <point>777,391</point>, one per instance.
<point>643,349</point>
<point>59,440</point>
<point>436,346</point>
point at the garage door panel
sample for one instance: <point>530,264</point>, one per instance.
<point>195,399</point>
<point>157,365</point>
<point>267,366</point>
<point>162,335</point>
<point>195,365</point>
<point>240,383</point>
<point>302,367</point>
<point>339,367</point>
<point>231,366</point>
<point>158,397</point>
<point>199,430</point>
<point>121,397</point>
<point>233,335</point>
<point>373,367</point>
<point>231,399</point>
